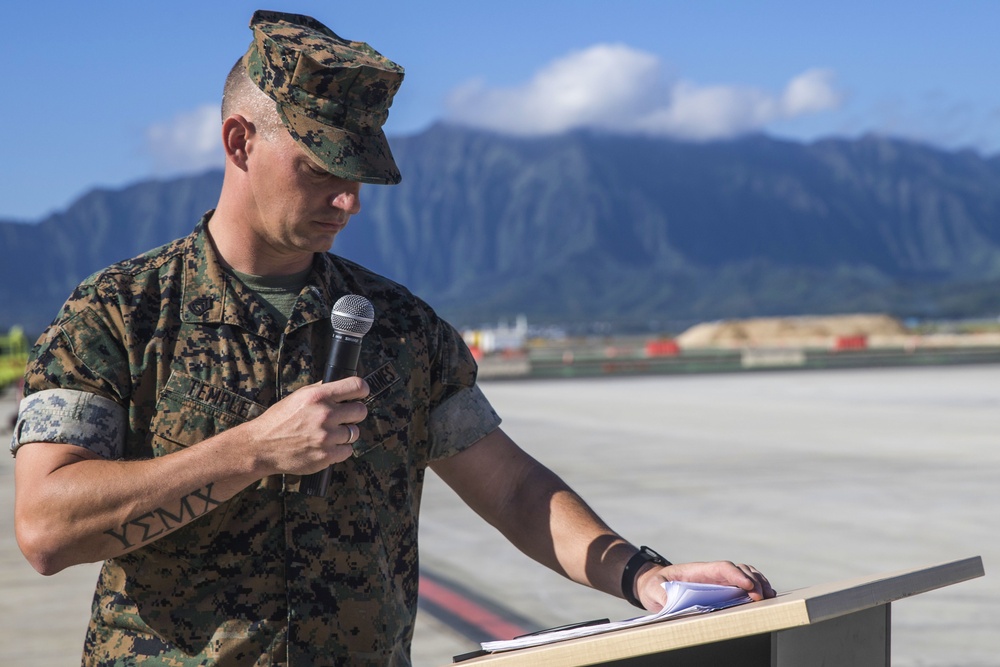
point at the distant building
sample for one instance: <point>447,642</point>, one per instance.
<point>502,338</point>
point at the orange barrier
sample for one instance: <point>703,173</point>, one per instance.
<point>662,348</point>
<point>850,343</point>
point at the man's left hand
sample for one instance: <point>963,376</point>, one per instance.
<point>649,583</point>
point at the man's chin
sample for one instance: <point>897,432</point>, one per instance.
<point>319,242</point>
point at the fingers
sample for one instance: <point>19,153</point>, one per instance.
<point>761,586</point>
<point>347,412</point>
<point>343,399</point>
<point>342,391</point>
<point>726,573</point>
<point>653,596</point>
<point>348,394</point>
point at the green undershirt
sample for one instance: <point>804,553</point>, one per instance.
<point>278,293</point>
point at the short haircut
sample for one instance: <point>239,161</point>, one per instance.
<point>242,96</point>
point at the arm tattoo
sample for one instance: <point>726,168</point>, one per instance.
<point>147,527</point>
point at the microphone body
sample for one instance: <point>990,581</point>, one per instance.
<point>343,360</point>
<point>351,318</point>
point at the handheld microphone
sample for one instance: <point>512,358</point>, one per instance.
<point>351,318</point>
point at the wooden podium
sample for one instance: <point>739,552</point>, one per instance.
<point>845,623</point>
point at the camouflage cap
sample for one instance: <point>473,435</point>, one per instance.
<point>332,94</point>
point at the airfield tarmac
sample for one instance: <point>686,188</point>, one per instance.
<point>812,476</point>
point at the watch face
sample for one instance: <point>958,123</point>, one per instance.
<point>653,557</point>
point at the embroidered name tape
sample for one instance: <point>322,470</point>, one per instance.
<point>380,380</point>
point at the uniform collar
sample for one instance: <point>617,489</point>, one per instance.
<point>210,295</point>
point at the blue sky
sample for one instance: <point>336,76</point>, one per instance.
<point>106,93</point>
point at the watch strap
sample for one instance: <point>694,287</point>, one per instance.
<point>641,557</point>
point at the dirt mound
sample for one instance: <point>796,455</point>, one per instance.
<point>764,331</point>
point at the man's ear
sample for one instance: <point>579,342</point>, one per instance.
<point>237,132</point>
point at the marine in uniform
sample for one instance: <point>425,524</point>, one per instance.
<point>161,358</point>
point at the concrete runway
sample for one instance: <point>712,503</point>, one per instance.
<point>813,477</point>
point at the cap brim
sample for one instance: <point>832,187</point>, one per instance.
<point>364,158</point>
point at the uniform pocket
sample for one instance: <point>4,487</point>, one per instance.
<point>189,410</point>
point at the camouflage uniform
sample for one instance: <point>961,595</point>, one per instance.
<point>175,350</point>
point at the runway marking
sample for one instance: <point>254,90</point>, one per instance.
<point>468,613</point>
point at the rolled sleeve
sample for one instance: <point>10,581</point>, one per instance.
<point>460,421</point>
<point>71,417</point>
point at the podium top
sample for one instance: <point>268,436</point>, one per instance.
<point>791,609</point>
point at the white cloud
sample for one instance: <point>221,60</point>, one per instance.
<point>188,142</point>
<point>810,92</point>
<point>615,87</point>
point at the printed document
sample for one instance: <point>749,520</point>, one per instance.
<point>683,599</point>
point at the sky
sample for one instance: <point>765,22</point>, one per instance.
<point>106,93</point>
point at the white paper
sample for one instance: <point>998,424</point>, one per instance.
<point>683,598</point>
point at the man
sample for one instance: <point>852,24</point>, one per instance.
<point>173,406</point>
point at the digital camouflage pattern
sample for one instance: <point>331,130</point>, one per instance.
<point>74,418</point>
<point>332,94</point>
<point>271,577</point>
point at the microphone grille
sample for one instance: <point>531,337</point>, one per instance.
<point>352,314</point>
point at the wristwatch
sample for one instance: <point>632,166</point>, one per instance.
<point>642,556</point>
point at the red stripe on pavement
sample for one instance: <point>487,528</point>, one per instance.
<point>470,612</point>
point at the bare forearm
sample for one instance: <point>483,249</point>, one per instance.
<point>569,537</point>
<point>91,509</point>
<point>537,511</point>
<point>73,506</point>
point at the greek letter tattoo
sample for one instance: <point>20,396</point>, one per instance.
<point>160,521</point>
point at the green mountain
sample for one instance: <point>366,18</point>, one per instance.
<point>634,232</point>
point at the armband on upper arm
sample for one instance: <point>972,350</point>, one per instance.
<point>71,417</point>
<point>460,421</point>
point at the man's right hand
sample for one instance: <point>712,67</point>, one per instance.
<point>307,430</point>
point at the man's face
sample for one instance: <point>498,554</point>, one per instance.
<point>300,206</point>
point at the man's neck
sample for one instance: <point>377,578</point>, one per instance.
<point>238,248</point>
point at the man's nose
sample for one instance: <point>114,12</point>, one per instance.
<point>348,199</point>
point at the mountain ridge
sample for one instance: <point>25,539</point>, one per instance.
<point>585,227</point>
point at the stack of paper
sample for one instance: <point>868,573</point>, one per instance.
<point>683,598</point>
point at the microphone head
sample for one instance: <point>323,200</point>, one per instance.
<point>352,314</point>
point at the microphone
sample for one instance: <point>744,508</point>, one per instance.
<point>351,318</point>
